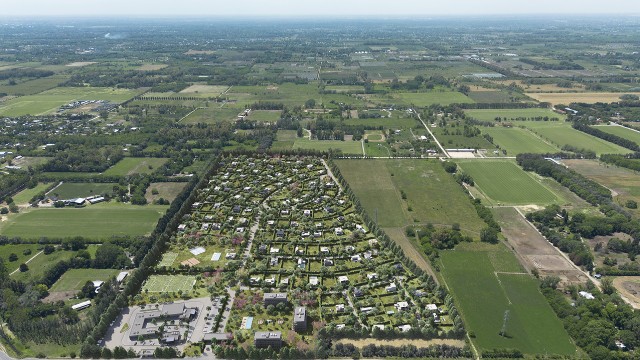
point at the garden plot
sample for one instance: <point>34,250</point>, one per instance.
<point>297,232</point>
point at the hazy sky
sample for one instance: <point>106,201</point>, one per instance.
<point>316,7</point>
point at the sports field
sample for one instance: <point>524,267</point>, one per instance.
<point>49,101</point>
<point>621,131</point>
<point>99,221</point>
<point>512,114</point>
<point>130,166</point>
<point>488,282</point>
<point>74,190</point>
<point>506,183</point>
<point>74,279</point>
<point>432,194</point>
<point>347,147</point>
<point>169,283</point>
<point>517,141</point>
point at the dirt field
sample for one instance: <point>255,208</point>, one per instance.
<point>81,63</point>
<point>200,52</point>
<point>59,296</point>
<point>566,98</point>
<point>629,288</point>
<point>152,67</point>
<point>205,89</point>
<point>533,250</point>
<point>360,343</point>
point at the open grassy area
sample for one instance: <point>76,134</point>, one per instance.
<point>621,131</point>
<point>25,195</point>
<point>167,191</point>
<point>19,250</point>
<point>518,140</point>
<point>562,134</point>
<point>99,221</point>
<point>486,283</point>
<point>432,194</point>
<point>74,279</point>
<point>212,115</point>
<point>506,183</point>
<point>49,101</point>
<point>130,166</point>
<point>41,263</point>
<point>347,147</point>
<point>74,190</point>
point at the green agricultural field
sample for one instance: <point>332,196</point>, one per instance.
<point>512,114</point>
<point>422,99</point>
<point>347,147</point>
<point>563,134</point>
<point>99,221</point>
<point>24,196</point>
<point>621,131</point>
<point>212,115</point>
<point>452,141</point>
<point>49,101</point>
<point>485,285</point>
<point>518,140</point>
<point>35,86</point>
<point>74,279</point>
<point>169,283</point>
<point>130,166</point>
<point>74,190</point>
<point>432,194</point>
<point>506,183</point>
<point>265,115</point>
<point>387,123</point>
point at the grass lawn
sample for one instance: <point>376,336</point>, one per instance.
<point>387,123</point>
<point>511,114</point>
<point>25,195</point>
<point>41,263</point>
<point>49,101</point>
<point>74,279</point>
<point>483,295</point>
<point>74,190</point>
<point>265,115</point>
<point>169,283</point>
<point>6,250</point>
<point>506,183</point>
<point>347,147</point>
<point>621,131</point>
<point>518,140</point>
<point>432,194</point>
<point>99,221</point>
<point>130,166</point>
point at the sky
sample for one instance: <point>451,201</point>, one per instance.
<point>290,8</point>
